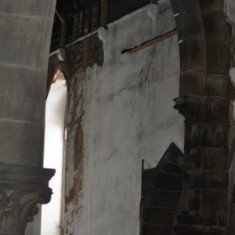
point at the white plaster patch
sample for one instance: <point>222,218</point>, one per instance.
<point>152,10</point>
<point>102,33</point>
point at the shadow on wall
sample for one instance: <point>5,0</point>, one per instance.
<point>161,190</point>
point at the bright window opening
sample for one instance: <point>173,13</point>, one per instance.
<point>51,223</point>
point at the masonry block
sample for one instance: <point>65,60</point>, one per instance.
<point>209,158</point>
<point>193,55</point>
<point>207,179</point>
<point>163,216</point>
<point>209,6</point>
<point>217,30</point>
<point>210,218</point>
<point>192,83</point>
<point>217,85</point>
<point>214,200</point>
<point>209,135</point>
<point>216,65</point>
<point>192,27</point>
<point>164,198</point>
<point>153,230</point>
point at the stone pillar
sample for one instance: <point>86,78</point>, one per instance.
<point>204,102</point>
<point>25,28</point>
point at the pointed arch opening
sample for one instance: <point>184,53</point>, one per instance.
<point>51,219</point>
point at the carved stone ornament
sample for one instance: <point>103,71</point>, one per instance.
<point>21,190</point>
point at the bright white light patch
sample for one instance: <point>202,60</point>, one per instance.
<point>53,153</point>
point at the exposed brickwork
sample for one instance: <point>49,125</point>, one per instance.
<point>79,56</point>
<point>204,101</point>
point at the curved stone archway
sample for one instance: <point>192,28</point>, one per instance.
<point>205,54</point>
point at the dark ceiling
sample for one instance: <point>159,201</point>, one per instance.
<point>81,17</point>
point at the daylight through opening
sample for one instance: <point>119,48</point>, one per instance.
<point>51,223</point>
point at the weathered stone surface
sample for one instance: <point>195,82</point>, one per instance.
<point>207,179</point>
<point>206,112</point>
<point>209,135</point>
<point>162,215</point>
<point>200,230</point>
<point>214,200</point>
<point>192,27</point>
<point>213,25</point>
<point>152,230</point>
<point>164,199</point>
<point>33,32</point>
<point>214,63</point>
<point>209,158</point>
<point>192,55</point>
<point>210,6</point>
<point>28,8</point>
<point>192,83</point>
<point>21,142</point>
<point>217,85</point>
<point>21,98</point>
<point>24,44</point>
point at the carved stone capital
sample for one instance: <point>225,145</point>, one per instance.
<point>21,190</point>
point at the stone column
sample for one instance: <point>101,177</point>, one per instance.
<point>25,28</point>
<point>204,100</point>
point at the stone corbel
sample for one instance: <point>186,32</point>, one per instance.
<point>22,188</point>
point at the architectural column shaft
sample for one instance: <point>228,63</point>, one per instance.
<point>204,101</point>
<point>26,27</point>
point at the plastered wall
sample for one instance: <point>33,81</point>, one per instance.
<point>119,114</point>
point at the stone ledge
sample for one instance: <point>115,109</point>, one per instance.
<point>17,174</point>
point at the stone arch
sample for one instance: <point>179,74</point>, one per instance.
<point>204,37</point>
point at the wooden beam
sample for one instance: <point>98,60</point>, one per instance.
<point>150,42</point>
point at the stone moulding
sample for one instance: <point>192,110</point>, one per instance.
<point>22,188</point>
